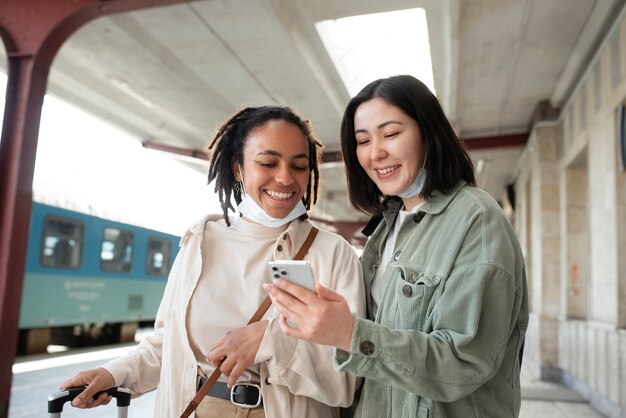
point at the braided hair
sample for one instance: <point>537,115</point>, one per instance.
<point>229,142</point>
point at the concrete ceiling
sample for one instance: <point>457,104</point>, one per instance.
<point>171,75</point>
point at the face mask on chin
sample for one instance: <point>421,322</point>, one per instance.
<point>416,187</point>
<point>255,213</point>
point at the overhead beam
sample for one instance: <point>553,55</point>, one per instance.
<point>185,152</point>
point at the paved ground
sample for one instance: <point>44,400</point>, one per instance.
<point>35,377</point>
<point>549,400</point>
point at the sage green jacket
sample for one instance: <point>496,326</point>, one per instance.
<point>450,327</point>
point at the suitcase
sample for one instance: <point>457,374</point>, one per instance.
<point>58,399</point>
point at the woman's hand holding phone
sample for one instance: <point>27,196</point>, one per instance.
<point>322,317</point>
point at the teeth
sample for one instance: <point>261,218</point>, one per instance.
<point>387,170</point>
<point>277,195</point>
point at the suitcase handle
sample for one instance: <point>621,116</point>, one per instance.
<point>58,399</point>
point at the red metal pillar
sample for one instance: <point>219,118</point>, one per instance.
<point>32,31</point>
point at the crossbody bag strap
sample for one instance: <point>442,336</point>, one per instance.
<point>204,389</point>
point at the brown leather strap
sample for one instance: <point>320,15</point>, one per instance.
<point>307,244</point>
<point>255,318</point>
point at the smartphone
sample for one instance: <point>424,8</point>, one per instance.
<point>295,271</point>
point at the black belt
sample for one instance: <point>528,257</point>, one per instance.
<point>219,390</point>
<point>244,394</point>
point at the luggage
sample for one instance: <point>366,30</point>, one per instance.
<point>58,399</point>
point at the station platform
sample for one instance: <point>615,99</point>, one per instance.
<point>542,399</point>
<point>37,376</point>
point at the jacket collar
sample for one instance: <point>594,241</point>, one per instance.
<point>440,201</point>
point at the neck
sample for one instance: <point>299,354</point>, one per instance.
<point>411,202</point>
<point>245,218</point>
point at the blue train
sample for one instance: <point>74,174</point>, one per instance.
<point>90,280</point>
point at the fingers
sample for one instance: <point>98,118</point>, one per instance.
<point>290,321</point>
<point>103,399</point>
<point>96,380</point>
<point>233,369</point>
<point>327,293</point>
<point>216,355</point>
<point>73,382</point>
<point>234,375</point>
<point>286,299</point>
<point>326,319</point>
<point>288,306</point>
<point>227,366</point>
<point>86,398</point>
<point>299,292</point>
<point>289,330</point>
<point>217,344</point>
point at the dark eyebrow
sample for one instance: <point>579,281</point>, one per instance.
<point>278,154</point>
<point>382,125</point>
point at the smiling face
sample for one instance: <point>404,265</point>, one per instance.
<point>275,167</point>
<point>389,147</point>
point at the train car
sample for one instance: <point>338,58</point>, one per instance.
<point>90,280</point>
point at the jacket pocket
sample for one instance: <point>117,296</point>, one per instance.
<point>414,290</point>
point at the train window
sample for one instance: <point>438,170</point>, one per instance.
<point>62,244</point>
<point>159,250</point>
<point>117,250</point>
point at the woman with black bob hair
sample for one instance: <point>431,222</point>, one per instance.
<point>266,158</point>
<point>447,161</point>
<point>444,275</point>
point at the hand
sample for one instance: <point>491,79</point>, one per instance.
<point>96,380</point>
<point>238,348</point>
<point>323,318</point>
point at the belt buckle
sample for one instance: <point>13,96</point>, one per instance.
<point>246,395</point>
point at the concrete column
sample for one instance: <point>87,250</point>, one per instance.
<point>603,289</point>
<point>621,246</point>
<point>575,246</point>
<point>542,244</point>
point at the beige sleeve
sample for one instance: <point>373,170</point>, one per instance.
<point>140,369</point>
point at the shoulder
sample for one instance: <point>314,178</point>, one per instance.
<point>473,206</point>
<point>474,199</point>
<point>330,237</point>
<point>487,223</point>
<point>197,228</point>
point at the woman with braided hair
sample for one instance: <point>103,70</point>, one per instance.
<point>267,160</point>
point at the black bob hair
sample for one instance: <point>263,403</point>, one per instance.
<point>228,144</point>
<point>447,161</point>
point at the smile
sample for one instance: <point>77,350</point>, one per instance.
<point>386,170</point>
<point>279,195</point>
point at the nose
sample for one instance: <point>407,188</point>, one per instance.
<point>284,176</point>
<point>377,151</point>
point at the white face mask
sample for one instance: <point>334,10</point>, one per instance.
<point>255,213</point>
<point>416,187</point>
